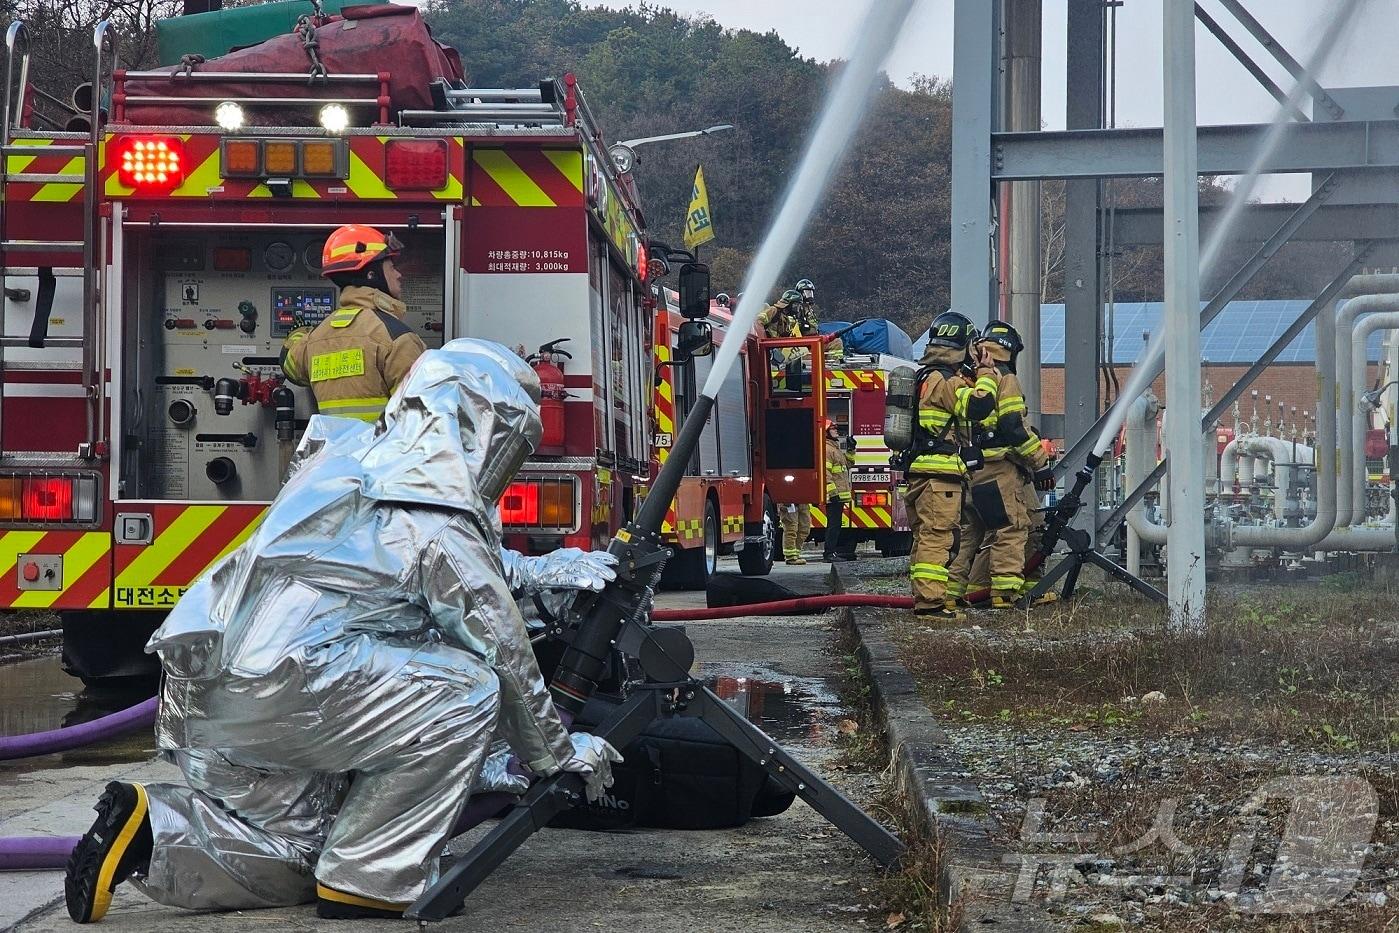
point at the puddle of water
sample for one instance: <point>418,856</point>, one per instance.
<point>790,709</point>
<point>36,696</point>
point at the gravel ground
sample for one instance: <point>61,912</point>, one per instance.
<point>1229,782</point>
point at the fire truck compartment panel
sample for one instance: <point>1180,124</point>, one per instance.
<point>206,306</point>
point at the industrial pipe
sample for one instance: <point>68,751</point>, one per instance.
<point>1141,417</point>
<point>1140,451</point>
<point>1378,538</point>
<point>1380,294</point>
<point>1359,412</point>
<point>1309,536</point>
<point>27,637</point>
<point>1235,467</point>
<point>1285,457</point>
<point>142,715</point>
<point>1304,537</point>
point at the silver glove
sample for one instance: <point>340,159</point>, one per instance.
<point>495,773</point>
<point>593,758</point>
<point>567,568</point>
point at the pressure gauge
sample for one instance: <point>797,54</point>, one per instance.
<point>279,257</point>
<point>312,256</point>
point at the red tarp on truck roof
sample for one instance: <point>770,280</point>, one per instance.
<point>362,40</point>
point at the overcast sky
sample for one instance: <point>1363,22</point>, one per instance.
<point>822,29</point>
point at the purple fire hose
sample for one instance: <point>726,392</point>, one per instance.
<point>142,715</point>
<point>35,853</point>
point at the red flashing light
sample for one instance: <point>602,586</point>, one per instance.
<point>48,499</point>
<point>520,504</point>
<point>149,163</point>
<point>419,164</point>
<point>643,261</point>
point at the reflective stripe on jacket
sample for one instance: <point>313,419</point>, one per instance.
<point>355,358</point>
<point>946,403</point>
<point>1010,400</point>
<point>837,471</point>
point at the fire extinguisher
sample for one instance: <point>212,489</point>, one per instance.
<point>548,362</point>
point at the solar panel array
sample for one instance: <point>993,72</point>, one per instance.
<point>1240,334</point>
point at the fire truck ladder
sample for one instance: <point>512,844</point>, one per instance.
<point>72,145</point>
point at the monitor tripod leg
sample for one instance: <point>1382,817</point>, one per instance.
<point>1046,582</point>
<point>1120,574</point>
<point>883,846</point>
<point>545,800</point>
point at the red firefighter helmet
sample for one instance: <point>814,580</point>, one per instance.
<point>354,246</point>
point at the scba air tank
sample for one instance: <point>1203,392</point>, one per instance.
<point>900,408</point>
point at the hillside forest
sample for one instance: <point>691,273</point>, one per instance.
<point>879,242</point>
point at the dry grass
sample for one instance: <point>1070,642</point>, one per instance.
<point>1314,666</point>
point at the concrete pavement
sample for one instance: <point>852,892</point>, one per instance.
<point>788,873</point>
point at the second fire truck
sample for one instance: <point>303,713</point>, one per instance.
<point>154,260</point>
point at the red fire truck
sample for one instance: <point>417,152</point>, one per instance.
<point>855,392</point>
<point>153,263</point>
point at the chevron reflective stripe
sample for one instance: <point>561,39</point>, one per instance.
<point>84,569</point>
<point>855,517</point>
<point>17,189</point>
<point>664,404</point>
<point>526,177</point>
<point>867,379</point>
<point>188,540</point>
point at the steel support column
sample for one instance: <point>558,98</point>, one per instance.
<point>1083,293</point>
<point>1185,543</point>
<point>1022,22</point>
<point>973,99</point>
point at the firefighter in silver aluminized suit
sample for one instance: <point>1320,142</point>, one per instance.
<point>333,686</point>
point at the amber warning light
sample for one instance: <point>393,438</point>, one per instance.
<point>147,163</point>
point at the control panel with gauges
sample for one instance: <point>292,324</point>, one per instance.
<point>206,315</point>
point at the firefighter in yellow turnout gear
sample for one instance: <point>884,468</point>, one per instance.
<point>838,494</point>
<point>1000,516</point>
<point>937,473</point>
<point>355,358</point>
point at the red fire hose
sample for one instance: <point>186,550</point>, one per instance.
<point>806,604</point>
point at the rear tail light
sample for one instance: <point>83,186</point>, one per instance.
<point>284,158</point>
<point>150,163</point>
<point>416,163</point>
<point>279,159</point>
<point>242,158</point>
<point>320,159</point>
<point>543,503</point>
<point>874,500</point>
<point>48,499</point>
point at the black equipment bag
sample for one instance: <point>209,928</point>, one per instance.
<point>678,774</point>
<point>986,499</point>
